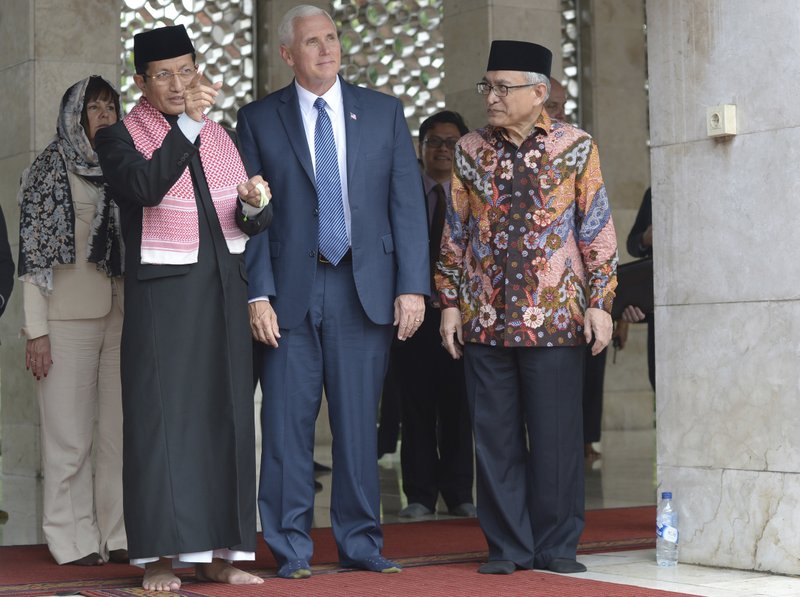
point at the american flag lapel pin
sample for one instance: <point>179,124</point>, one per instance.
<point>353,116</point>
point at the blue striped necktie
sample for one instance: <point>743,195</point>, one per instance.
<point>333,243</point>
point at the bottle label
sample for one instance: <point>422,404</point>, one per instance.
<point>667,533</point>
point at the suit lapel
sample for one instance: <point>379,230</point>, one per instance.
<point>289,113</point>
<point>352,126</point>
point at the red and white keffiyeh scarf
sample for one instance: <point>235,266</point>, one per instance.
<point>170,233</point>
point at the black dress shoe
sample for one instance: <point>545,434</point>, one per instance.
<point>118,556</point>
<point>376,563</point>
<point>466,510</point>
<point>93,559</point>
<point>498,567</point>
<point>295,570</point>
<point>565,566</point>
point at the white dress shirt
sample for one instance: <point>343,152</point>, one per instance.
<point>335,108</point>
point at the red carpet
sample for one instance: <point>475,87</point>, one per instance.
<point>429,581</point>
<point>438,555</point>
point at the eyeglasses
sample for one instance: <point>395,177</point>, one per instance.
<point>164,77</point>
<point>436,142</point>
<point>485,88</point>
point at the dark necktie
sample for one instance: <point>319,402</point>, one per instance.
<point>333,243</point>
<point>437,226</point>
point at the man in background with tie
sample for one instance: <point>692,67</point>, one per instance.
<point>346,257</point>
<point>436,453</point>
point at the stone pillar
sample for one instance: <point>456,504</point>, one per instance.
<point>613,79</point>
<point>614,112</point>
<point>45,46</point>
<point>727,308</point>
<point>470,27</point>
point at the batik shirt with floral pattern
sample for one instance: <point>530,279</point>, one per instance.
<point>529,242</point>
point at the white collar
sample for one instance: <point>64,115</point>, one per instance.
<point>332,97</point>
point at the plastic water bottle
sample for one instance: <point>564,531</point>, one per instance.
<point>666,531</point>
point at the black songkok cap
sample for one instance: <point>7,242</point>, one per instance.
<point>160,44</point>
<point>520,55</point>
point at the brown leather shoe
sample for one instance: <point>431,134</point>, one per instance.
<point>118,556</point>
<point>93,559</point>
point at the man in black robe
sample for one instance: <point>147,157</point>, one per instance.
<point>187,207</point>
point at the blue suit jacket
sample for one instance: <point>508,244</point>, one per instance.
<point>387,207</point>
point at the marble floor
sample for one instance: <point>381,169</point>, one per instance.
<point>623,476</point>
<point>638,568</point>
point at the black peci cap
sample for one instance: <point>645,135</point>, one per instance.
<point>520,55</point>
<point>159,44</point>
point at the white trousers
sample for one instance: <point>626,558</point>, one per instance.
<point>185,560</point>
<point>80,403</point>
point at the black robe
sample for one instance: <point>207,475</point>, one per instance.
<point>188,415</point>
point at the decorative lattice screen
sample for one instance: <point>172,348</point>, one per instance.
<point>222,33</point>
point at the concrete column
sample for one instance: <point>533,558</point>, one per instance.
<point>727,308</point>
<point>614,77</point>
<point>45,46</point>
<point>615,112</point>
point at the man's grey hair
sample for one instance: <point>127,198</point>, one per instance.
<point>286,28</point>
<point>536,78</point>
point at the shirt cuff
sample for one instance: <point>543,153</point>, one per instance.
<point>249,210</point>
<point>189,127</point>
<point>447,302</point>
<point>258,298</point>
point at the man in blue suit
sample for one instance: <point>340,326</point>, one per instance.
<point>346,257</point>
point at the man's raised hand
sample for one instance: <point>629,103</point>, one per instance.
<point>199,97</point>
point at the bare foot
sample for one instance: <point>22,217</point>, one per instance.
<point>221,571</point>
<point>158,576</point>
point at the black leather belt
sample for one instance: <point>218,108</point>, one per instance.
<point>347,257</point>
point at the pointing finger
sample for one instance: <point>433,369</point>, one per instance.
<point>195,80</point>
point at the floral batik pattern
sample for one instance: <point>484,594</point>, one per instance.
<point>528,243</point>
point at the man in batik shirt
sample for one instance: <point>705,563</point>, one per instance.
<point>526,277</point>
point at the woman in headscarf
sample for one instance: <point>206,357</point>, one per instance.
<point>70,261</point>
